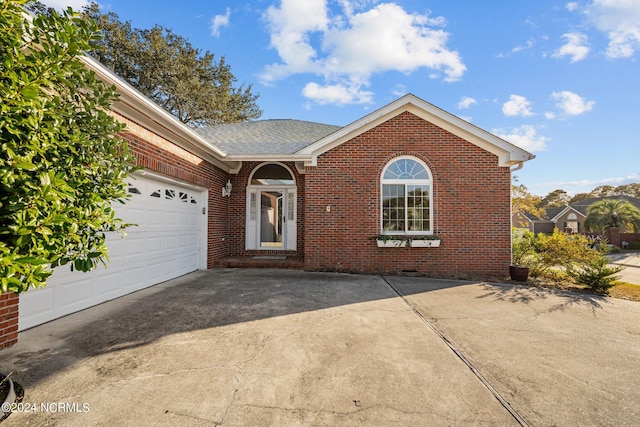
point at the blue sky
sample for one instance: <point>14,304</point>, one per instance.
<point>560,79</point>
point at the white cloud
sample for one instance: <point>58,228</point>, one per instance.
<point>336,94</point>
<point>577,47</point>
<point>550,115</point>
<point>585,185</point>
<point>620,20</point>
<point>525,137</point>
<point>520,48</point>
<point>218,22</point>
<point>76,5</point>
<point>348,46</point>
<point>466,102</point>
<point>517,106</point>
<point>399,90</point>
<point>571,103</point>
<point>571,6</point>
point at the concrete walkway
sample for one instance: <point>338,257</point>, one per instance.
<point>276,347</point>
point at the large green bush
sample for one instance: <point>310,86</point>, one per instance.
<point>61,163</point>
<point>562,256</point>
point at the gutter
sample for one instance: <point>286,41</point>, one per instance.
<point>518,167</point>
<point>131,98</point>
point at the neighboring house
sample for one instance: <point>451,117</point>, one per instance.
<point>567,218</point>
<point>281,188</point>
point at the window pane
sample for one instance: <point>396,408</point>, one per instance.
<point>418,207</point>
<point>291,212</point>
<point>405,169</point>
<point>393,208</point>
<point>272,174</point>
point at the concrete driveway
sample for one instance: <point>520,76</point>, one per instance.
<point>631,262</point>
<point>291,348</point>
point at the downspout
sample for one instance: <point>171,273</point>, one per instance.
<point>518,167</point>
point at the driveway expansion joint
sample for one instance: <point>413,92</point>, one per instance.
<point>462,357</point>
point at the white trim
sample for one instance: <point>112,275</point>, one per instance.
<point>507,153</point>
<point>252,230</point>
<point>167,179</point>
<point>405,182</point>
<point>271,163</point>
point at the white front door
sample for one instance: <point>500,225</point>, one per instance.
<point>271,218</point>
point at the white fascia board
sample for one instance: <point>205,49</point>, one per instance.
<point>300,160</point>
<point>134,105</point>
<point>269,157</point>
<point>507,153</point>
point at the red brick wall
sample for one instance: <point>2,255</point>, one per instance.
<point>159,155</point>
<point>238,209</point>
<point>471,202</point>
<point>8,319</point>
<point>630,237</point>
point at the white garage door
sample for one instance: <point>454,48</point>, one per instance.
<point>169,241</point>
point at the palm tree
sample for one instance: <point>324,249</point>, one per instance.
<point>608,213</point>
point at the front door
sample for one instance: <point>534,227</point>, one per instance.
<point>271,218</point>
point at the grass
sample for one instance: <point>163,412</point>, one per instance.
<point>622,290</point>
<point>626,291</point>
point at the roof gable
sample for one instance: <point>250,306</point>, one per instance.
<point>563,211</point>
<point>507,153</point>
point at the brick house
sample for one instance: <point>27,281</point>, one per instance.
<point>314,193</point>
<point>568,218</point>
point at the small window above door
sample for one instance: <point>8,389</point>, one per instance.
<point>272,174</point>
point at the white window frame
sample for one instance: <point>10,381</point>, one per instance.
<point>428,182</point>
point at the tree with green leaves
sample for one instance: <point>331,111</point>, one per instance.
<point>61,162</point>
<point>609,213</point>
<point>555,199</point>
<point>523,202</point>
<point>165,67</point>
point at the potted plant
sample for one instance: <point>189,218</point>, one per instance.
<point>402,241</point>
<point>424,241</point>
<point>390,241</point>
<point>522,251</point>
<point>10,392</point>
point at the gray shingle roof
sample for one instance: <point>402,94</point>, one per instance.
<point>284,136</point>
<point>583,205</point>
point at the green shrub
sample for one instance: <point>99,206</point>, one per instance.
<point>523,248</point>
<point>62,162</point>
<point>596,273</point>
<point>634,245</point>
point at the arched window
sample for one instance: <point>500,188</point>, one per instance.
<point>572,225</point>
<point>272,174</point>
<point>406,197</point>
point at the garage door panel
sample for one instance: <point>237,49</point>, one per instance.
<point>103,286</point>
<point>169,241</point>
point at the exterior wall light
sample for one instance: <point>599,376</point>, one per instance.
<point>226,190</point>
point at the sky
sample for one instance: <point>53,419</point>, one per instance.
<point>560,79</point>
